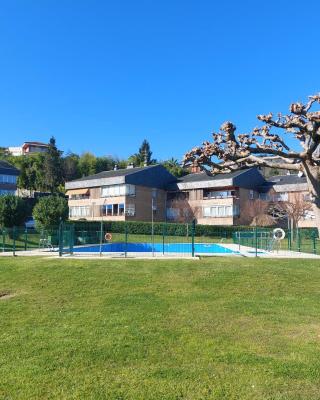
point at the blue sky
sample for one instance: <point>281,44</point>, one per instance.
<point>103,75</point>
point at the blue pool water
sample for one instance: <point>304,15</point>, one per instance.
<point>202,248</point>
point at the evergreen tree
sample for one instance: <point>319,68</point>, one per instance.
<point>53,167</point>
<point>143,156</point>
<point>145,152</point>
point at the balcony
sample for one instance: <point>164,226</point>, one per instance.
<point>219,194</point>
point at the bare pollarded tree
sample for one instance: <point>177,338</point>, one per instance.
<point>266,146</point>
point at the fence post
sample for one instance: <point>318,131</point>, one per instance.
<point>289,240</point>
<point>126,240</point>
<point>314,243</point>
<point>192,233</point>
<point>25,239</point>
<point>299,240</point>
<point>60,239</point>
<point>3,240</point>
<point>163,233</point>
<point>101,237</point>
<point>71,239</point>
<point>14,241</point>
<point>256,240</point>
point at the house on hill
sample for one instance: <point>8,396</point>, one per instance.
<point>28,148</point>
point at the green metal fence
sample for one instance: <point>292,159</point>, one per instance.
<point>128,239</point>
<point>298,241</point>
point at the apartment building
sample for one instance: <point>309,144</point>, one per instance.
<point>215,200</point>
<point>152,192</point>
<point>8,178</point>
<point>127,194</point>
<point>289,188</point>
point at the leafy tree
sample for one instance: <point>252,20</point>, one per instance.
<point>49,211</point>
<point>266,144</point>
<point>174,167</point>
<point>13,211</point>
<point>71,167</point>
<point>53,167</point>
<point>105,164</point>
<point>32,176</point>
<point>87,164</point>
<point>3,153</point>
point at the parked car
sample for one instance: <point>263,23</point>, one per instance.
<point>30,223</point>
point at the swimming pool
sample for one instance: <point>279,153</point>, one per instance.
<point>199,248</point>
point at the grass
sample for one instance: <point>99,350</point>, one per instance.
<point>218,328</point>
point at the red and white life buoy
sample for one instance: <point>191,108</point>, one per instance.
<point>108,237</point>
<point>279,234</point>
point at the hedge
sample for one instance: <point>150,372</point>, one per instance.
<point>169,229</point>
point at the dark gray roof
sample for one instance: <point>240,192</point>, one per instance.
<point>155,176</point>
<point>287,179</point>
<point>245,178</point>
<point>113,174</point>
<point>8,169</point>
<point>203,176</point>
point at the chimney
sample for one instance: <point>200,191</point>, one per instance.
<point>195,168</point>
<point>115,168</point>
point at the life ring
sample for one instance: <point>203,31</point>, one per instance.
<point>279,234</point>
<point>108,237</point>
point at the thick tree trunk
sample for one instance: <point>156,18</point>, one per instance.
<point>313,177</point>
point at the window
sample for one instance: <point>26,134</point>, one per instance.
<point>121,209</point>
<point>283,196</point>
<point>236,210</point>
<point>221,211</point>
<point>109,209</point>
<point>178,196</point>
<point>10,179</point>
<point>251,195</point>
<point>264,196</point>
<point>172,213</point>
<point>79,212</point>
<point>218,194</point>
<point>309,215</point>
<point>79,196</point>
<point>5,191</point>
<point>307,197</point>
<point>113,210</point>
<point>118,190</point>
<point>154,193</point>
<point>130,210</point>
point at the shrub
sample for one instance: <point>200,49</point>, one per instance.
<point>169,229</point>
<point>49,211</point>
<point>13,211</point>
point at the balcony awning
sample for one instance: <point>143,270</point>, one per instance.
<point>77,192</point>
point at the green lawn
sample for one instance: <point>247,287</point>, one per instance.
<point>219,328</point>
